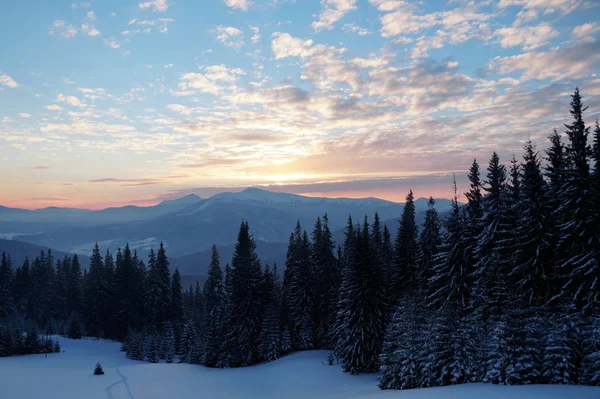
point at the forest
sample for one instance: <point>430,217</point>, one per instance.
<point>504,289</point>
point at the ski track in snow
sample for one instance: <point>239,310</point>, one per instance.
<point>122,380</point>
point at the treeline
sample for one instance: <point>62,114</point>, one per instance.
<point>505,289</point>
<point>112,297</point>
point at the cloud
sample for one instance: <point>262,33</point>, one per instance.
<point>59,27</point>
<point>546,6</point>
<point>256,36</point>
<point>24,115</point>
<point>53,107</point>
<point>157,5</point>
<point>585,30</point>
<point>139,181</point>
<point>284,45</point>
<point>90,15</point>
<point>574,62</point>
<point>530,37</point>
<point>45,199</point>
<point>230,36</point>
<point>71,100</point>
<point>90,30</point>
<point>148,25</point>
<point>210,162</point>
<point>332,12</point>
<point>40,167</point>
<point>182,109</point>
<point>169,66</point>
<point>190,82</point>
<point>238,4</point>
<point>222,73</point>
<point>112,43</point>
<point>353,28</point>
<point>7,81</point>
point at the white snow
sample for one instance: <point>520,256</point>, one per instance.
<point>68,375</point>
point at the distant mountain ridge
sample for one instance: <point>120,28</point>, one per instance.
<point>190,225</point>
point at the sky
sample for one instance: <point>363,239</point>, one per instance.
<point>113,102</point>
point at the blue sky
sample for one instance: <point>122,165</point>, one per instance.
<point>111,102</point>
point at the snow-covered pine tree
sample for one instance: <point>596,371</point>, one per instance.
<point>94,294</point>
<point>430,242</point>
<point>534,250</point>
<point>579,233</point>
<point>366,308</point>
<point>327,280</point>
<point>559,364</point>
<point>491,285</point>
<point>407,274</point>
<point>188,339</point>
<point>451,352</point>
<point>214,303</point>
<point>152,347</point>
<point>402,355</point>
<point>6,284</point>
<point>300,293</point>
<point>158,296</point>
<point>168,342</point>
<point>177,308</point>
<point>245,318</point>
<point>269,347</point>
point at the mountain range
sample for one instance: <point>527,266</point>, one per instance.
<point>188,226</point>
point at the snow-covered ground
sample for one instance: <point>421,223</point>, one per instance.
<point>68,375</point>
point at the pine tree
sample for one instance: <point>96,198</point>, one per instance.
<point>430,241</point>
<point>244,319</point>
<point>159,287</point>
<point>95,294</point>
<point>365,308</point>
<point>6,284</point>
<point>188,340</point>
<point>177,307</point>
<point>269,347</point>
<point>534,250</point>
<point>327,282</point>
<point>401,361</point>
<point>214,303</point>
<point>300,290</point>
<point>578,230</point>
<point>168,342</point>
<point>407,273</point>
<point>152,347</point>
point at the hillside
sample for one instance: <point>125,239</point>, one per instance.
<point>68,375</point>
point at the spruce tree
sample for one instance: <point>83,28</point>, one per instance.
<point>300,289</point>
<point>214,303</point>
<point>534,250</point>
<point>6,286</point>
<point>269,347</point>
<point>578,230</point>
<point>430,241</point>
<point>365,308</point>
<point>244,319</point>
<point>177,307</point>
<point>95,299</point>
<point>407,273</point>
<point>327,282</point>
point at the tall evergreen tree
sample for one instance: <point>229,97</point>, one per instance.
<point>300,294</point>
<point>430,241</point>
<point>366,307</point>
<point>407,273</point>
<point>578,230</point>
<point>244,319</point>
<point>214,310</point>
<point>6,286</point>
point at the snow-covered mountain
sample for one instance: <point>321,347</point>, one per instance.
<point>190,224</point>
